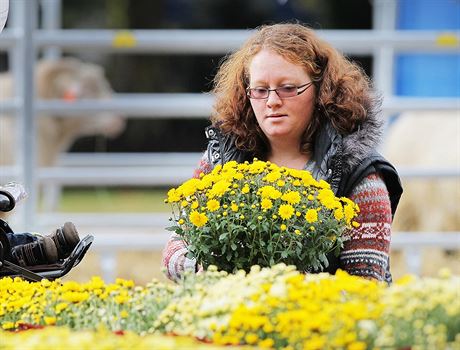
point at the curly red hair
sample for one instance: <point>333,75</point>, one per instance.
<point>343,91</point>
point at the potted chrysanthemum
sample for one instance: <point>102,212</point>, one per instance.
<point>244,214</point>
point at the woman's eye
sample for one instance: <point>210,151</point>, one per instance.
<point>260,90</point>
<point>287,89</point>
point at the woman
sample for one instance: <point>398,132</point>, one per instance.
<point>290,98</point>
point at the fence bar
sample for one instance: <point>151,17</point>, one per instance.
<point>11,36</point>
<point>197,105</point>
<point>129,159</point>
<point>52,20</point>
<point>420,172</point>
<point>402,104</point>
<point>28,113</point>
<point>114,176</point>
<point>447,240</point>
<point>128,221</point>
<point>180,105</point>
<point>217,42</point>
<point>205,42</point>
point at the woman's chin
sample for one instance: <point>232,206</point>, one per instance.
<point>277,133</point>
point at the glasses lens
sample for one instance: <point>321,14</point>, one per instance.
<point>258,93</point>
<point>287,91</point>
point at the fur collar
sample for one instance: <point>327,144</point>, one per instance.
<point>359,144</point>
<point>352,148</point>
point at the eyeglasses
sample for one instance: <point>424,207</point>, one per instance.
<point>260,93</point>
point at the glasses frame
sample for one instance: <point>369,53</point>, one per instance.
<point>306,86</point>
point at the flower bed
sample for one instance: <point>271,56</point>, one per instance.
<point>274,307</point>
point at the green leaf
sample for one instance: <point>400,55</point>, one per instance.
<point>223,236</point>
<point>284,254</point>
<point>233,246</point>
<point>323,259</point>
<point>190,255</point>
<point>172,228</point>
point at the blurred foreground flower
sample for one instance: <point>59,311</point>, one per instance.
<point>64,338</point>
<point>277,307</point>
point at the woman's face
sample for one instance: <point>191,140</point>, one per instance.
<point>281,119</point>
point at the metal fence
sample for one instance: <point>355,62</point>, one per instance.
<point>22,40</point>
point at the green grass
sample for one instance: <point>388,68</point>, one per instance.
<point>113,200</point>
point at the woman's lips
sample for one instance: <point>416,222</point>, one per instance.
<point>274,116</point>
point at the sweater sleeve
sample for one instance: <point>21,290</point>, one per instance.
<point>174,258</point>
<point>366,248</point>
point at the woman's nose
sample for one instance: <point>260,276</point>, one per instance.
<point>273,99</point>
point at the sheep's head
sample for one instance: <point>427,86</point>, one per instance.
<point>71,80</point>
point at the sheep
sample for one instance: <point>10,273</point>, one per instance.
<point>65,79</point>
<point>427,140</point>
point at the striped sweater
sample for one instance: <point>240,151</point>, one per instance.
<point>366,248</point>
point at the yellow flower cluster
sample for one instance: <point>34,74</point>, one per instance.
<point>425,312</point>
<point>232,178</point>
<point>64,303</point>
<point>306,313</point>
<point>267,308</point>
<point>275,210</point>
<point>281,308</point>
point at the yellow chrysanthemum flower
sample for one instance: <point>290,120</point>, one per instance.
<point>189,187</point>
<point>50,320</point>
<point>292,197</point>
<point>198,219</point>
<point>173,196</point>
<point>311,216</point>
<point>213,205</point>
<point>219,188</point>
<point>257,167</point>
<point>266,203</point>
<point>349,212</point>
<point>286,211</point>
<point>273,176</point>
<point>328,199</point>
<point>338,214</point>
